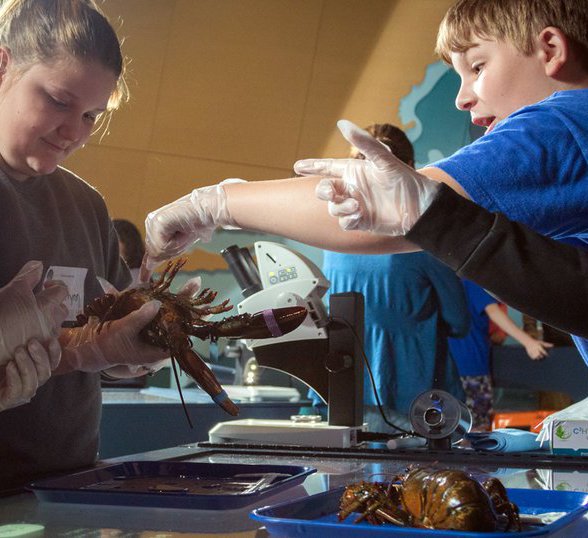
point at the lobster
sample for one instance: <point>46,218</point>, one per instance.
<point>442,499</point>
<point>181,316</point>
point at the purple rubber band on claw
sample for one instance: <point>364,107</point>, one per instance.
<point>220,397</point>
<point>272,324</point>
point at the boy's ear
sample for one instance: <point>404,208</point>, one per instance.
<point>554,48</point>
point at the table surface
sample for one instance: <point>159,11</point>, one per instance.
<point>85,520</point>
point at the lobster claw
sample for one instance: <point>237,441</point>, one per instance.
<point>270,323</point>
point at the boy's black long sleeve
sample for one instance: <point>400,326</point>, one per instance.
<point>532,273</point>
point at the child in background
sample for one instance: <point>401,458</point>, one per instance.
<point>61,70</point>
<point>472,352</point>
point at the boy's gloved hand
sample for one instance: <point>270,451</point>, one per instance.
<point>172,229</point>
<point>25,314</point>
<point>29,368</point>
<point>379,194</point>
<point>117,343</point>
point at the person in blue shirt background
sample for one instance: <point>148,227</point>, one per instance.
<point>472,352</point>
<point>412,304</point>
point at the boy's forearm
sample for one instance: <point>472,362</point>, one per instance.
<point>289,207</point>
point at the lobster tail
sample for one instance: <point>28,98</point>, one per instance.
<point>196,368</point>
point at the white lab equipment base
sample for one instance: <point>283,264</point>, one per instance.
<point>238,393</point>
<point>284,432</point>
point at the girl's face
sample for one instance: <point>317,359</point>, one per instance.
<point>49,111</point>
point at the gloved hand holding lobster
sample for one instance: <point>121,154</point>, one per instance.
<point>30,367</point>
<point>29,324</point>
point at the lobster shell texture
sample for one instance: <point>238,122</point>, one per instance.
<point>445,499</point>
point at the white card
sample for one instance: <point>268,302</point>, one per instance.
<point>73,278</point>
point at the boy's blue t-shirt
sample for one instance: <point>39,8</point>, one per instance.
<point>472,353</point>
<point>533,167</point>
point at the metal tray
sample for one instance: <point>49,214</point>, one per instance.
<point>170,484</point>
<point>317,516</point>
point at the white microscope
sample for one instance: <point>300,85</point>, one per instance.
<point>324,352</point>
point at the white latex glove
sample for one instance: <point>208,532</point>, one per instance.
<point>25,314</point>
<point>379,194</point>
<point>117,343</point>
<point>191,288</point>
<point>173,228</point>
<point>30,368</point>
<point>125,371</point>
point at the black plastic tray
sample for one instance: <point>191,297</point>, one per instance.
<point>170,484</point>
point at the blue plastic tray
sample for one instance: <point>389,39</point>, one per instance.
<point>164,484</point>
<point>317,516</point>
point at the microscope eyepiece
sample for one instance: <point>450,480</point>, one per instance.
<point>243,267</point>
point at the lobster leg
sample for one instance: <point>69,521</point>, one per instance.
<point>195,367</point>
<point>217,309</point>
<point>206,296</point>
<point>166,278</point>
<point>502,505</point>
<point>400,519</point>
<point>269,323</point>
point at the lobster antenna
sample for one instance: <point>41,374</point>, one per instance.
<point>177,378</point>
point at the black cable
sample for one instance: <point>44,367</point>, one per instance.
<point>371,377</point>
<point>377,436</point>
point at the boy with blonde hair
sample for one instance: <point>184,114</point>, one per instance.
<point>524,73</point>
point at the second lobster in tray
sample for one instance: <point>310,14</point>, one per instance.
<point>182,316</point>
<point>433,499</point>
